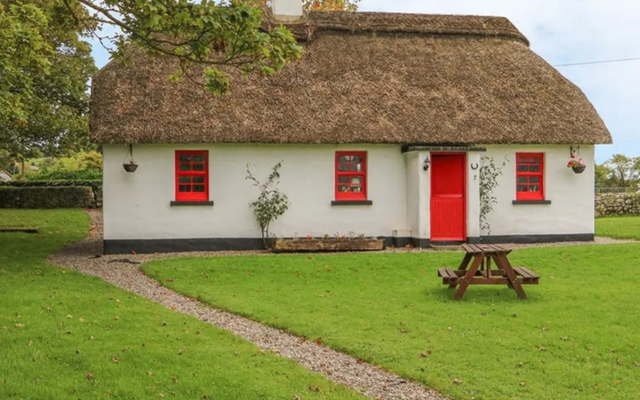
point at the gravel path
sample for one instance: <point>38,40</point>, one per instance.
<point>123,271</point>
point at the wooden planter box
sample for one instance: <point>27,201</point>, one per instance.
<point>313,245</point>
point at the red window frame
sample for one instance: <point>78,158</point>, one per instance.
<point>348,170</point>
<point>189,167</point>
<point>529,176</point>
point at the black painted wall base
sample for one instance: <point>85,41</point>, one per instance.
<point>220,244</point>
<point>523,239</point>
<point>145,246</point>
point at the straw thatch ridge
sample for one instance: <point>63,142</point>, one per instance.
<point>364,78</point>
<point>358,22</point>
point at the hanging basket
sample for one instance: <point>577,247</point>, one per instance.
<point>578,169</point>
<point>130,167</point>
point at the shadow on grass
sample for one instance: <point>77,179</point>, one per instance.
<point>483,294</point>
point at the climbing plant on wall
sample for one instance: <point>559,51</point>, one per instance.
<point>271,203</point>
<point>489,173</point>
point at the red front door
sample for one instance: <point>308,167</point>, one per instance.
<point>448,204</point>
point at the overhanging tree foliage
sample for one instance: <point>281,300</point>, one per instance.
<point>208,32</point>
<point>44,66</point>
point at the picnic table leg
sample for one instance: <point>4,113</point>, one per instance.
<point>505,265</point>
<point>462,267</point>
<point>468,276</point>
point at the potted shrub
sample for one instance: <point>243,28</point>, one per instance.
<point>577,165</point>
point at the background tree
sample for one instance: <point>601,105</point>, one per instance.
<point>603,172</point>
<point>54,119</point>
<point>619,171</point>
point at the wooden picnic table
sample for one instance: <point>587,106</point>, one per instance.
<point>481,271</point>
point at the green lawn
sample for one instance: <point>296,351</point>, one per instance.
<point>64,335</point>
<point>576,337</point>
<point>627,227</point>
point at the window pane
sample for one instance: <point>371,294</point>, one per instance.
<point>343,167</point>
<point>523,160</point>
<point>198,179</point>
<point>198,159</point>
<point>198,167</point>
<point>343,179</point>
<point>184,188</point>
<point>522,188</point>
<point>534,188</point>
<point>523,168</point>
<point>356,189</point>
<point>534,179</point>
<point>356,181</point>
<point>356,167</point>
<point>184,167</point>
<point>344,159</point>
<point>198,188</point>
<point>343,188</point>
<point>184,158</point>
<point>184,179</point>
<point>522,179</point>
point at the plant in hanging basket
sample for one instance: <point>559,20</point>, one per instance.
<point>130,167</point>
<point>577,165</point>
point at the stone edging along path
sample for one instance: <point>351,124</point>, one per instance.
<point>123,271</point>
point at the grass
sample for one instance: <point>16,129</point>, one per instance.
<point>576,337</point>
<point>65,335</point>
<point>623,227</point>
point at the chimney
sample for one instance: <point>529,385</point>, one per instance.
<point>287,10</point>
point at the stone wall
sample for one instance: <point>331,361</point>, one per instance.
<point>617,204</point>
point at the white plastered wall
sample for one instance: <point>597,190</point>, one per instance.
<point>571,195</point>
<point>137,205</point>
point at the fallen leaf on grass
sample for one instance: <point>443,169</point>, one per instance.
<point>319,341</point>
<point>149,373</point>
<point>314,388</point>
<point>523,384</point>
<point>90,376</point>
<point>115,360</point>
<point>457,381</point>
<point>542,348</point>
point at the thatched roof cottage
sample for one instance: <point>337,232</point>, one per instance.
<point>383,128</point>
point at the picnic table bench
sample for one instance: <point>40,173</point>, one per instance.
<point>481,271</point>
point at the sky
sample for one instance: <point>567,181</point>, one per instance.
<point>561,32</point>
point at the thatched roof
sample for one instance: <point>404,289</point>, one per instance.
<point>363,78</point>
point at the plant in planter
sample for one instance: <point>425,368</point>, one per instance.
<point>576,164</point>
<point>338,242</point>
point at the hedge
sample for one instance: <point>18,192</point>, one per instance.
<point>94,184</point>
<point>46,197</point>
